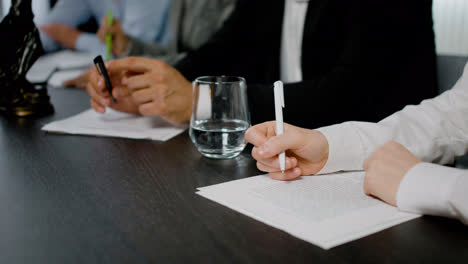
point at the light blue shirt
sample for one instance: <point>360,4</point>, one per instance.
<point>145,20</point>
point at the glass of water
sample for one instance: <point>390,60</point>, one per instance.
<point>220,116</point>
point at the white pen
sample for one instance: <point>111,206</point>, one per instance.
<point>279,105</point>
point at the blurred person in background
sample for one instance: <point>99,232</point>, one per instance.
<point>340,60</point>
<point>146,20</point>
<point>169,30</point>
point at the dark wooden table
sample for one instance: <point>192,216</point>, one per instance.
<point>78,199</point>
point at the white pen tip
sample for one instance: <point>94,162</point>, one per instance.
<point>282,171</point>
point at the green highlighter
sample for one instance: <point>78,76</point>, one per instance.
<point>109,21</point>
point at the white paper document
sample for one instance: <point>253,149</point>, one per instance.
<point>327,210</point>
<point>62,60</point>
<point>116,124</point>
<point>59,77</point>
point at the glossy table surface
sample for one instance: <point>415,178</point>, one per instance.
<point>79,199</point>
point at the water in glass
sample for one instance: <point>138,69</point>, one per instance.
<point>220,116</point>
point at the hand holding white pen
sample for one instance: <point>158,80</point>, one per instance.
<point>279,105</point>
<point>307,149</point>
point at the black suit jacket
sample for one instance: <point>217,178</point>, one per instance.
<point>361,59</point>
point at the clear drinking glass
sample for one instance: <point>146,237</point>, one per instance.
<point>220,116</point>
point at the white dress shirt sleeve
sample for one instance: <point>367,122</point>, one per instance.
<point>435,190</point>
<point>435,131</point>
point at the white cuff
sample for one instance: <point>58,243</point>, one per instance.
<point>426,189</point>
<point>345,148</point>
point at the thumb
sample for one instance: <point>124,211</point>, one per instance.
<point>116,23</point>
<point>112,29</point>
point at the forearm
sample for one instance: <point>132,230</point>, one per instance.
<point>69,12</point>
<point>49,44</point>
<point>435,131</point>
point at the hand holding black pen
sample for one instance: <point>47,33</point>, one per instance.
<point>101,68</point>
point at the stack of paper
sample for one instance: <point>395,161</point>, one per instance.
<point>327,210</point>
<point>116,124</point>
<point>58,78</point>
<point>65,60</point>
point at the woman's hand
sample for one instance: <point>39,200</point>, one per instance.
<point>385,170</point>
<point>306,150</point>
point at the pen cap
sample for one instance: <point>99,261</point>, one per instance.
<point>279,105</point>
<point>279,91</point>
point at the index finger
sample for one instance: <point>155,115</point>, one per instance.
<point>290,140</point>
<point>133,64</point>
<point>259,134</point>
<point>102,31</point>
<point>97,82</point>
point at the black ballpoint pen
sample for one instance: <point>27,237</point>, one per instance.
<point>101,68</point>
